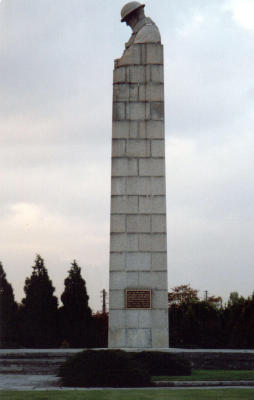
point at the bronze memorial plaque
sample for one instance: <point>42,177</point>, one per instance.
<point>138,298</point>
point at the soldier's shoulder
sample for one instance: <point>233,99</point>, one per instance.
<point>149,33</point>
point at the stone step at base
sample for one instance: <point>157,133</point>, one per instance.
<point>31,366</point>
<point>33,362</point>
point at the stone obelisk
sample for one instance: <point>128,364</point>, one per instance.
<point>138,306</point>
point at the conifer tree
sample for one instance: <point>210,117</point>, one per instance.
<point>39,309</point>
<point>76,315</point>
<point>8,312</point>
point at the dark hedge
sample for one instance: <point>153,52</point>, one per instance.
<point>163,363</point>
<point>117,368</point>
<point>104,368</point>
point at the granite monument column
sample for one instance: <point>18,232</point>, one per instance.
<point>138,305</point>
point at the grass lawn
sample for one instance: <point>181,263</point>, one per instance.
<point>210,375</point>
<point>160,394</point>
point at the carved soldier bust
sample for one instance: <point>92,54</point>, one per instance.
<point>144,29</point>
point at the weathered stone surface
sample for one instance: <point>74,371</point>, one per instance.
<point>152,242</point>
<point>151,92</point>
<point>160,318</point>
<point>117,223</point>
<point>158,148</point>
<point>136,74</point>
<point>124,204</point>
<point>159,223</point>
<point>117,261</point>
<point>136,337</point>
<point>138,319</point>
<point>138,148</point>
<point>118,186</point>
<point>118,148</point>
<point>145,319</point>
<point>123,242</point>
<point>153,280</point>
<point>134,129</point>
<point>124,167</point>
<point>154,53</point>
<point>152,129</point>
<point>131,57</point>
<point>152,167</point>
<point>117,319</point>
<point>119,111</point>
<point>120,130</point>
<point>138,223</point>
<point>116,299</point>
<point>117,280</point>
<point>132,280</point>
<point>152,204</point>
<point>148,34</point>
<point>159,261</point>
<point>119,75</point>
<point>144,186</point>
<point>136,111</point>
<point>138,261</point>
<point>160,297</point>
<point>157,111</point>
<point>132,317</point>
<point>134,92</point>
<point>121,92</point>
<point>157,73</point>
<point>159,337</point>
<point>116,337</point>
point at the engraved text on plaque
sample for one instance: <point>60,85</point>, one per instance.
<point>137,298</point>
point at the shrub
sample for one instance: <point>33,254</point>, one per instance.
<point>104,368</point>
<point>162,363</point>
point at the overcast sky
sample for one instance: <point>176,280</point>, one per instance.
<point>56,62</point>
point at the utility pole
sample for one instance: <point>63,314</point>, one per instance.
<point>104,296</point>
<point>206,295</point>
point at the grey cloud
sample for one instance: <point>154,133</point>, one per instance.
<point>208,79</point>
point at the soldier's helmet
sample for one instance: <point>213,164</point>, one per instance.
<point>128,8</point>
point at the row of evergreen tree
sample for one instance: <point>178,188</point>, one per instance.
<point>208,323</point>
<point>38,321</point>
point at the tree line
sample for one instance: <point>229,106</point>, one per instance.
<point>208,323</point>
<point>39,322</point>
